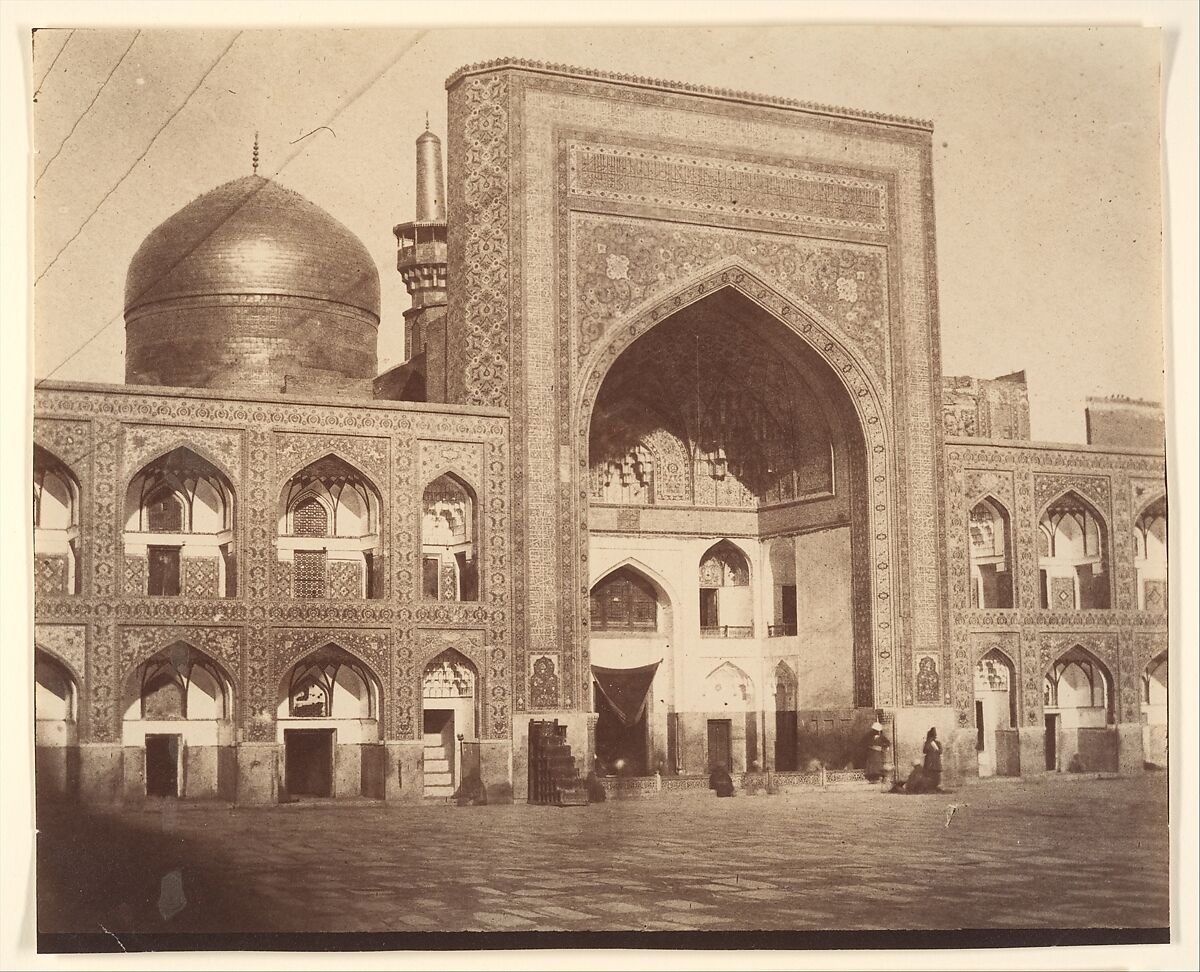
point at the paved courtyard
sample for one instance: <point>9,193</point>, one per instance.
<point>1068,852</point>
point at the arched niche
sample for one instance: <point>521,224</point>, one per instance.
<point>1079,687</point>
<point>178,683</point>
<point>633,667</point>
<point>729,710</point>
<point>626,602</point>
<point>183,492</point>
<point>55,733</point>
<point>1155,710</point>
<point>782,556</point>
<point>328,539</point>
<point>776,419</point>
<point>180,518</point>
<point>450,719</point>
<point>728,689</point>
<point>56,520</point>
<point>328,721</point>
<point>716,406</point>
<point>55,691</point>
<point>726,601</point>
<point>996,719</point>
<point>786,718</point>
<point>1150,556</point>
<point>1073,555</point>
<point>329,684</point>
<point>990,537</point>
<point>449,540</point>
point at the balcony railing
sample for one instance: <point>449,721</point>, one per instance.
<point>781,630</point>
<point>727,631</point>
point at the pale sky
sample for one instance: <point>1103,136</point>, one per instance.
<point>1046,166</point>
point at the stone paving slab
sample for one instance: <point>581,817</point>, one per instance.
<point>1068,852</point>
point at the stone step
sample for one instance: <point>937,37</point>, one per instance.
<point>439,779</point>
<point>433,741</point>
<point>436,752</point>
<point>442,792</point>
<point>437,765</point>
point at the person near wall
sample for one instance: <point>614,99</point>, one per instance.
<point>720,781</point>
<point>933,760</point>
<point>916,780</point>
<point>877,745</point>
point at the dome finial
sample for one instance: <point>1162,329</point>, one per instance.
<point>254,158</point>
<point>427,120</point>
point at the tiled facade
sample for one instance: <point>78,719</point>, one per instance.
<point>586,210</point>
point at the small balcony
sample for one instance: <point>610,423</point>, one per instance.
<point>727,631</point>
<point>781,630</point>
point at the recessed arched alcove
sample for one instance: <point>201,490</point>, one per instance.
<point>56,526</point>
<point>328,721</point>
<point>632,623</point>
<point>178,716</point>
<point>997,745</point>
<point>726,452</point>
<point>1080,706</point>
<point>179,532</point>
<point>328,533</point>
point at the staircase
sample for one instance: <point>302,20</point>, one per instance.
<point>439,777</point>
<point>553,777</point>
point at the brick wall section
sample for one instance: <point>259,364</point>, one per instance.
<point>1117,423</point>
<point>250,342</point>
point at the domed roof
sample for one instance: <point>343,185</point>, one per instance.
<point>252,236</point>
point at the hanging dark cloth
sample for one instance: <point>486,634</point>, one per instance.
<point>626,689</point>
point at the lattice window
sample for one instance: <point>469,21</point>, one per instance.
<point>164,514</point>
<point>623,600</point>
<point>309,573</point>
<point>309,519</point>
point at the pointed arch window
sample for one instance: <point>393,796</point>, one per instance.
<point>329,532</point>
<point>179,526</point>
<point>180,683</point>
<point>449,542</point>
<point>1079,681</point>
<point>330,684</point>
<point>309,518</point>
<point>54,689</point>
<point>1150,556</point>
<point>1073,559</point>
<point>624,601</point>
<point>55,526</point>
<point>726,610</point>
<point>990,545</point>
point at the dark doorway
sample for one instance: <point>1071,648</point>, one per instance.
<point>785,740</point>
<point>787,607</point>
<point>163,571</point>
<point>308,762</point>
<point>709,614</point>
<point>620,748</point>
<point>162,764</point>
<point>980,742</point>
<point>720,745</point>
<point>1052,742</point>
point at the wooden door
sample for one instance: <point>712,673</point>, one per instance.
<point>720,745</point>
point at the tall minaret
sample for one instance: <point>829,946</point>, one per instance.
<point>422,252</point>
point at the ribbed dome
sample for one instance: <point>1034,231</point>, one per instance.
<point>252,236</point>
